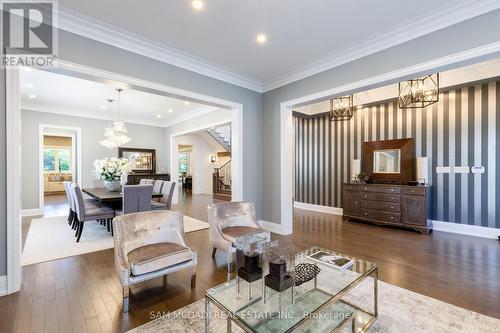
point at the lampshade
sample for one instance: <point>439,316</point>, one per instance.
<point>422,169</point>
<point>355,167</point>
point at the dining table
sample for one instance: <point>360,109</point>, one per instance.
<point>112,199</point>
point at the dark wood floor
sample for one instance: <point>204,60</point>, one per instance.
<point>82,293</point>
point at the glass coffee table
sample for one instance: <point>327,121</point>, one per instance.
<point>336,300</point>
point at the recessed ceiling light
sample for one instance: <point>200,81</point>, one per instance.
<point>170,111</point>
<point>30,85</point>
<point>32,96</point>
<point>158,116</point>
<point>197,4</point>
<point>103,107</point>
<point>186,103</point>
<point>261,38</point>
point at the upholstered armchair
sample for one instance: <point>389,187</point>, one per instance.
<point>229,221</point>
<point>149,245</point>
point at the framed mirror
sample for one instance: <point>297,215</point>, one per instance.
<point>387,161</point>
<point>142,160</point>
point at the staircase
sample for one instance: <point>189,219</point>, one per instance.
<point>222,182</point>
<point>221,178</point>
<point>222,135</point>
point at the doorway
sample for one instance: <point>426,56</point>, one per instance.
<point>59,161</point>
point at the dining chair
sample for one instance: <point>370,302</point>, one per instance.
<point>71,212</point>
<point>166,200</point>
<point>136,198</point>
<point>89,204</point>
<point>150,245</point>
<point>145,181</point>
<point>157,185</point>
<point>84,213</point>
<point>229,221</point>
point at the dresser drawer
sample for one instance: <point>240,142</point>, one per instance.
<point>414,190</point>
<point>381,197</point>
<point>380,216</point>
<point>381,206</point>
<point>351,188</point>
<point>380,189</point>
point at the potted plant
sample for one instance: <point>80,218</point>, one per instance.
<point>113,171</point>
<point>362,177</point>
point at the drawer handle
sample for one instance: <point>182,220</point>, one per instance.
<point>392,198</point>
<point>366,188</point>
<point>392,207</point>
<point>366,195</point>
<point>366,214</point>
<point>392,190</point>
<point>392,217</point>
<point>355,202</point>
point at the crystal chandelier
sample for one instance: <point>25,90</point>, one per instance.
<point>115,136</point>
<point>341,108</point>
<point>419,92</point>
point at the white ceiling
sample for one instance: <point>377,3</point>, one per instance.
<point>451,78</point>
<point>303,37</point>
<point>68,95</point>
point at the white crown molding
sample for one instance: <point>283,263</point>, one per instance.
<point>460,10</point>
<point>442,17</point>
<point>88,27</point>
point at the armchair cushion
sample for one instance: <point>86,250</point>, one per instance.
<point>233,233</point>
<point>153,257</point>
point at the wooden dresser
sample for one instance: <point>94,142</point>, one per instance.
<point>397,205</point>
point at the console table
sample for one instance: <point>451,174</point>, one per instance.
<point>134,178</point>
<point>399,205</point>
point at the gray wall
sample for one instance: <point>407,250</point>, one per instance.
<point>91,133</point>
<point>3,178</point>
<point>479,31</point>
<point>462,129</point>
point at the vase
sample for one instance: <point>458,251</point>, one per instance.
<point>112,185</point>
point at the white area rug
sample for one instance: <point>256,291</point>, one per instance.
<point>400,311</point>
<point>52,238</point>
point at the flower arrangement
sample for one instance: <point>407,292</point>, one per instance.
<point>112,170</point>
<point>362,177</point>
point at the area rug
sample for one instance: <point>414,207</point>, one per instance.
<point>400,311</point>
<point>52,238</point>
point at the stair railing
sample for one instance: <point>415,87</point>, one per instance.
<point>222,178</point>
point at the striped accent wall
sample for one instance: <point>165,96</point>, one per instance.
<point>462,129</point>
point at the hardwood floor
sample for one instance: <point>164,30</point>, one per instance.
<point>82,293</point>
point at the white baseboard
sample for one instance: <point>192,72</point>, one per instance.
<point>3,285</point>
<point>31,212</point>
<point>273,227</point>
<point>465,229</point>
<point>319,208</point>
<point>200,191</point>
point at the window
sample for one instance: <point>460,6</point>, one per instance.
<point>56,159</point>
<point>184,162</point>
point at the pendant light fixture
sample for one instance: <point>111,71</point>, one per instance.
<point>341,108</point>
<point>420,92</point>
<point>116,135</point>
